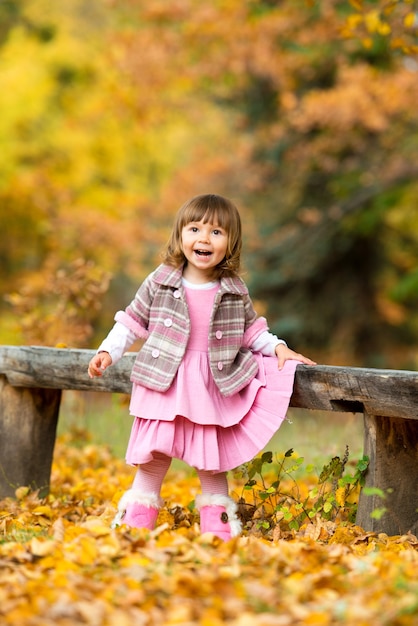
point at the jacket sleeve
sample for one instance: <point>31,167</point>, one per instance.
<point>257,336</point>
<point>257,328</point>
<point>127,320</point>
<point>137,313</point>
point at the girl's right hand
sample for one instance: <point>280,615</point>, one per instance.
<point>99,363</point>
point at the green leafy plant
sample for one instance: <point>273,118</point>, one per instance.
<point>272,493</point>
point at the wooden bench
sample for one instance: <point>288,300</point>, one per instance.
<point>32,379</point>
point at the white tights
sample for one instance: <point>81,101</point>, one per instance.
<point>149,477</point>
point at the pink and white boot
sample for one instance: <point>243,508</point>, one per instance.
<point>218,515</point>
<point>137,509</point>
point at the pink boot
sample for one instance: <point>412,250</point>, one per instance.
<point>218,516</point>
<point>137,510</point>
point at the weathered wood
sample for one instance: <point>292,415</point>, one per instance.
<point>380,392</point>
<point>28,423</point>
<point>393,393</point>
<point>57,368</point>
<point>392,447</point>
<point>28,419</point>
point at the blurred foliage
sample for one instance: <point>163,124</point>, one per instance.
<point>113,114</point>
<point>50,304</point>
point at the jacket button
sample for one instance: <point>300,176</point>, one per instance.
<point>155,353</point>
<point>218,334</point>
<point>168,322</point>
<point>177,293</point>
<point>220,365</point>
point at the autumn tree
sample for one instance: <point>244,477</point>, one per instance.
<point>303,112</point>
<point>339,156</point>
<point>324,145</point>
<point>84,159</point>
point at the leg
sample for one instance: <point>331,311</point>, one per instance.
<point>139,506</point>
<point>213,483</point>
<point>217,509</point>
<point>149,476</point>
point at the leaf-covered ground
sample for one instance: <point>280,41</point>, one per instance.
<point>61,564</point>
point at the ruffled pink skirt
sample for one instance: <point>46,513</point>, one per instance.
<point>193,422</point>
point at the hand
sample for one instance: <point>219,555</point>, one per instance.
<point>284,354</point>
<point>99,363</point>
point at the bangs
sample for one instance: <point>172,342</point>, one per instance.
<point>208,208</point>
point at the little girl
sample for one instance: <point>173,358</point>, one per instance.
<point>211,384</point>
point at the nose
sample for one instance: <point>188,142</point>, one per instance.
<point>204,235</point>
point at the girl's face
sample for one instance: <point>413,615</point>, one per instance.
<point>204,246</point>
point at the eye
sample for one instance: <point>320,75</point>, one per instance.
<point>217,231</point>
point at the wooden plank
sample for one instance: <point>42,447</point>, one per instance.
<point>57,368</point>
<point>393,393</point>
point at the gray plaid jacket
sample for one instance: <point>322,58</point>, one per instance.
<point>159,314</point>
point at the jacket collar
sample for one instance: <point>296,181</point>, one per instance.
<point>168,276</point>
<point>234,284</point>
<point>171,277</point>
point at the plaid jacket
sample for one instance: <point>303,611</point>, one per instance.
<point>159,314</point>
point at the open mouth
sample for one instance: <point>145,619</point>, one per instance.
<point>203,252</point>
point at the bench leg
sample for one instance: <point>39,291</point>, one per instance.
<point>28,424</point>
<point>392,446</point>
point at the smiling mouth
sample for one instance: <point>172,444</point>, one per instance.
<point>203,252</point>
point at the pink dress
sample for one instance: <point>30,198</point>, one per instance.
<point>193,421</point>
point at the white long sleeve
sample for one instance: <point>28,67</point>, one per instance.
<point>266,343</point>
<point>118,341</point>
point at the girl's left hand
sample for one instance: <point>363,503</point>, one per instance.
<point>284,354</point>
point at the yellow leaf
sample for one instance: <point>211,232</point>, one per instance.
<point>21,492</point>
<point>96,527</point>
<point>85,552</point>
<point>372,21</point>
<point>134,561</point>
<point>44,510</point>
<point>41,547</point>
<point>317,618</point>
<point>410,20</point>
<point>340,496</point>
<point>58,530</point>
<point>345,535</point>
<point>397,42</point>
<point>111,548</point>
<point>384,29</point>
<point>353,21</point>
<point>357,4</point>
<point>367,42</point>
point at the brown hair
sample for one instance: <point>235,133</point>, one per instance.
<point>208,208</point>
